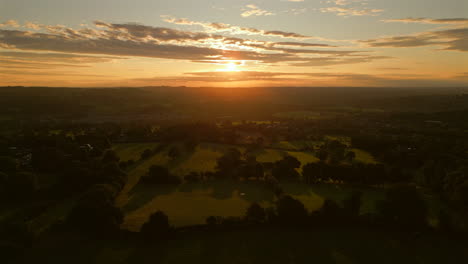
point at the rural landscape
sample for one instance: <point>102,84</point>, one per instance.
<point>117,183</point>
<point>233,132</point>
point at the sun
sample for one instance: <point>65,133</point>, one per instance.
<point>232,66</point>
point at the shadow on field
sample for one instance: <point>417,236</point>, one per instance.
<point>142,194</point>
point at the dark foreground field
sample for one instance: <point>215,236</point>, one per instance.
<point>259,245</point>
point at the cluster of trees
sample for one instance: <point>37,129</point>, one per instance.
<point>95,210</point>
<point>159,175</point>
<point>335,152</point>
<point>237,166</point>
<point>15,184</point>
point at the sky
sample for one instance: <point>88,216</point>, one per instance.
<point>234,43</point>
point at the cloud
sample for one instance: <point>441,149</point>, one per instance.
<point>347,2</point>
<point>60,44</point>
<point>10,23</point>
<point>328,61</point>
<point>54,57</point>
<point>302,44</point>
<point>423,20</point>
<point>343,8</point>
<point>452,39</point>
<point>253,78</point>
<point>32,25</point>
<point>253,10</point>
<point>235,30</point>
<point>33,60</point>
<point>346,12</point>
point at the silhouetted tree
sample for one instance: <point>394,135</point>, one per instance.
<point>8,164</point>
<point>290,210</point>
<point>110,156</point>
<point>255,213</point>
<point>157,227</point>
<point>146,154</point>
<point>403,207</point>
<point>95,212</point>
<point>350,156</point>
<point>173,153</point>
<point>286,168</point>
<point>159,175</point>
<point>352,204</point>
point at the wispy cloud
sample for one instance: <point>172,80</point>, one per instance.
<point>253,10</point>
<point>110,41</point>
<point>347,8</point>
<point>423,20</point>
<point>452,39</point>
<point>10,23</point>
<point>300,78</point>
<point>346,12</point>
<point>235,30</point>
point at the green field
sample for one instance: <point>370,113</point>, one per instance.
<point>132,151</point>
<point>191,204</point>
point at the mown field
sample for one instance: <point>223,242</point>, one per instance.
<point>191,204</point>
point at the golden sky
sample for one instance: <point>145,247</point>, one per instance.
<point>231,43</point>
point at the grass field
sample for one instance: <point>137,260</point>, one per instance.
<point>132,151</point>
<point>364,156</point>
<point>191,204</point>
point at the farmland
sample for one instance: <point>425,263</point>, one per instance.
<point>191,204</point>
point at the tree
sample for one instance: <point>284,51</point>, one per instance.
<point>322,154</point>
<point>350,156</point>
<point>8,164</point>
<point>403,208</point>
<point>330,211</point>
<point>312,172</point>
<point>22,185</point>
<point>212,221</point>
<point>352,204</point>
<point>230,160</point>
<point>336,151</point>
<point>110,156</point>
<point>146,154</point>
<point>156,227</point>
<point>193,177</point>
<point>173,153</point>
<point>255,213</point>
<point>96,212</point>
<point>159,175</point>
<point>290,210</point>
<point>286,168</point>
<point>4,181</point>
